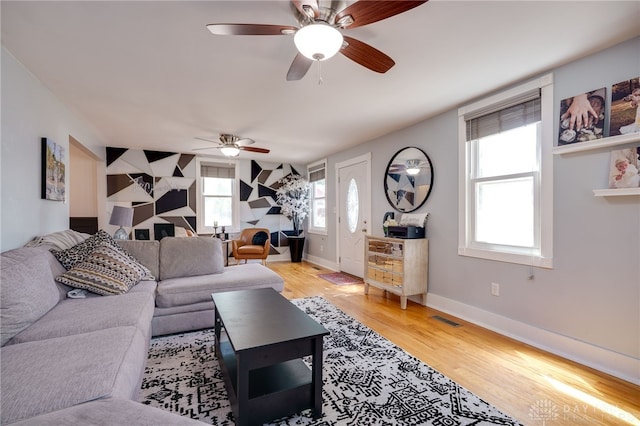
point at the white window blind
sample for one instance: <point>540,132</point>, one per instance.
<point>217,170</point>
<point>317,172</point>
<point>511,114</point>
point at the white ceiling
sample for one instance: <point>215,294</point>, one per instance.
<point>149,75</point>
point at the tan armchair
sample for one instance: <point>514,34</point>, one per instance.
<point>244,247</point>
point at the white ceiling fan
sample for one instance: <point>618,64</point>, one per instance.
<point>231,145</point>
<point>319,36</point>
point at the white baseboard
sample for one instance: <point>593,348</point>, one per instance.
<point>334,266</point>
<point>609,362</point>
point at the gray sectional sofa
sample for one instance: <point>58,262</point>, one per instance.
<point>81,361</point>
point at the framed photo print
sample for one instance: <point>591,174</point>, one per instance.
<point>625,107</point>
<point>624,168</point>
<point>53,171</point>
<point>161,230</point>
<point>582,117</point>
<point>141,234</point>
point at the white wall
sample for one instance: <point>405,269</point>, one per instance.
<point>83,181</point>
<point>587,307</point>
<point>29,113</point>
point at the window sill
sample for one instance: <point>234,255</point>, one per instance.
<point>318,231</point>
<point>521,259</point>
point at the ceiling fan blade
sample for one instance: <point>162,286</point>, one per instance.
<point>250,29</point>
<point>367,12</point>
<point>255,149</point>
<point>202,149</point>
<point>311,5</point>
<point>208,140</point>
<point>367,56</point>
<point>245,142</point>
<point>299,67</point>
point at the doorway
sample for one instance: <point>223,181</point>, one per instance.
<point>83,188</point>
<point>354,212</point>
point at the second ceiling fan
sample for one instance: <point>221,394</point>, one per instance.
<point>318,38</point>
<point>231,145</point>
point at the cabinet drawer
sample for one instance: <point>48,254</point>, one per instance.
<point>398,280</point>
<point>397,265</point>
<point>371,273</point>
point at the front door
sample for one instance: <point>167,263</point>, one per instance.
<point>354,213</point>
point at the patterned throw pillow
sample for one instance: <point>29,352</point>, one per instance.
<point>105,271</point>
<point>71,257</point>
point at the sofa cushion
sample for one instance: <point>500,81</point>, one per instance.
<point>189,290</point>
<point>250,249</point>
<point>48,375</point>
<point>76,316</point>
<point>78,253</point>
<point>105,271</point>
<point>146,252</point>
<point>187,257</point>
<point>27,290</point>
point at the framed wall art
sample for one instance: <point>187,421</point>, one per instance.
<point>625,107</point>
<point>53,171</point>
<point>582,117</point>
<point>624,168</point>
<point>161,230</point>
<point>141,234</point>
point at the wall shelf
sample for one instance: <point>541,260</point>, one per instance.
<point>597,144</point>
<point>616,192</point>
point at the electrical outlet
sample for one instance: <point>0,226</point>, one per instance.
<point>495,289</point>
<point>321,248</point>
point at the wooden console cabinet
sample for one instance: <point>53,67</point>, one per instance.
<point>399,266</point>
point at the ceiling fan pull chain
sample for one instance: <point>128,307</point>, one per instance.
<point>320,81</point>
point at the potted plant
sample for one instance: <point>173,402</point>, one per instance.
<point>293,198</point>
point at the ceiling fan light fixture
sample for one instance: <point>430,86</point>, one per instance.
<point>318,41</point>
<point>230,150</point>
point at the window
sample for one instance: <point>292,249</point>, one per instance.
<point>506,176</point>
<point>318,219</point>
<point>352,206</point>
<point>217,204</point>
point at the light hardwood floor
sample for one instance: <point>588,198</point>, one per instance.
<point>531,385</point>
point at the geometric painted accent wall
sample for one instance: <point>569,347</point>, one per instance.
<point>258,206</point>
<point>160,186</point>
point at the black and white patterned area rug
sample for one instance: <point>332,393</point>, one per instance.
<point>367,380</point>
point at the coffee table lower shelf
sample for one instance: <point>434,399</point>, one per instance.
<point>275,391</point>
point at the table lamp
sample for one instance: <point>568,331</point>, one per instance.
<point>121,216</point>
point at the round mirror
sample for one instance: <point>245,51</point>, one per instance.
<point>408,180</point>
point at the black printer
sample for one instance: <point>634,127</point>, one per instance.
<point>408,232</point>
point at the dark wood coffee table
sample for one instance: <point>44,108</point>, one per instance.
<point>260,340</point>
